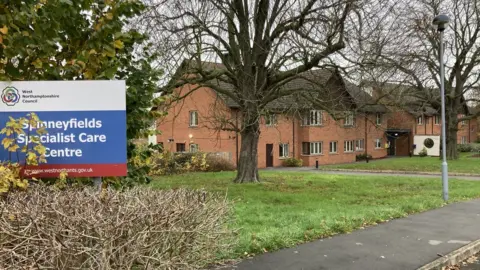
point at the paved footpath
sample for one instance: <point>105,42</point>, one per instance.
<point>309,169</point>
<point>403,244</point>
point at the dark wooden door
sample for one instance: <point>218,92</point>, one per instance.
<point>269,154</point>
<point>391,148</point>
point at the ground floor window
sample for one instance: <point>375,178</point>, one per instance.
<point>193,147</point>
<point>283,150</point>
<point>464,140</point>
<point>333,147</point>
<point>312,148</point>
<point>180,147</point>
<point>360,145</point>
<point>348,146</point>
<point>378,143</point>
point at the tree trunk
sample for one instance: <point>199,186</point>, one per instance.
<point>451,130</point>
<point>452,152</point>
<point>247,171</point>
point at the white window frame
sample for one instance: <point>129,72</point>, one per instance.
<point>463,140</point>
<point>348,146</point>
<point>313,118</point>
<point>193,119</point>
<point>314,148</point>
<point>420,120</point>
<point>283,150</point>
<point>463,122</point>
<point>437,120</point>
<point>378,143</point>
<point>349,119</point>
<point>193,147</point>
<point>271,119</point>
<point>360,145</point>
<point>378,119</point>
<point>333,147</point>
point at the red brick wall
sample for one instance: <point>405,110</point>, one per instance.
<point>287,130</point>
<point>468,130</point>
<point>176,124</point>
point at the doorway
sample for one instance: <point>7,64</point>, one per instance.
<point>391,146</point>
<point>269,154</point>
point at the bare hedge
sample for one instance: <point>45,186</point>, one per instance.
<point>136,229</point>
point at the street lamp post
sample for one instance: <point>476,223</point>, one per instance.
<point>441,21</point>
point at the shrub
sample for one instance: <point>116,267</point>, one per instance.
<point>472,147</point>
<point>363,157</point>
<point>135,229</point>
<point>423,152</point>
<point>292,162</point>
<point>219,164</point>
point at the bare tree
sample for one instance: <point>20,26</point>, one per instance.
<point>399,44</point>
<point>261,44</point>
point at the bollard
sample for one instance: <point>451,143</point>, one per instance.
<point>97,182</point>
<point>316,164</point>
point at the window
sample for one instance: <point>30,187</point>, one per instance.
<point>333,147</point>
<point>464,140</point>
<point>312,148</point>
<point>437,119</point>
<point>283,150</point>
<point>270,119</point>
<point>313,118</point>
<point>420,120</point>
<point>378,119</point>
<point>193,119</point>
<point>360,145</point>
<point>378,143</point>
<point>348,146</point>
<point>180,147</point>
<point>193,147</point>
<point>463,122</point>
<point>427,120</point>
<point>349,119</point>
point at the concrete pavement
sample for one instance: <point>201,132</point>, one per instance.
<point>402,244</point>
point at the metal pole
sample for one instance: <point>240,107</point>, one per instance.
<point>444,133</point>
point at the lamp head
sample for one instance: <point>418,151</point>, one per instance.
<point>441,21</point>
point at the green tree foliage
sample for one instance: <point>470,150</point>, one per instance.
<point>81,40</point>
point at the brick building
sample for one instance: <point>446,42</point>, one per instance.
<point>293,126</point>
<point>411,121</point>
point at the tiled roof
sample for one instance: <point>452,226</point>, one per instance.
<point>310,89</point>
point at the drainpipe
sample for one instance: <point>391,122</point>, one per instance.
<point>293,136</point>
<point>433,120</point>
<point>469,133</point>
<point>366,138</point>
<point>236,136</point>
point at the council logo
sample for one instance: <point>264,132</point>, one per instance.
<point>10,96</point>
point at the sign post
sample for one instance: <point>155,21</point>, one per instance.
<point>85,121</point>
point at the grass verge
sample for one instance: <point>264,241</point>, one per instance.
<point>465,164</point>
<point>291,208</point>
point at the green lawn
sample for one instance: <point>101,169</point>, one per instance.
<point>290,208</point>
<point>466,164</point>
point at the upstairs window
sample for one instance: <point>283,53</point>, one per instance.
<point>378,119</point>
<point>193,122</point>
<point>313,118</point>
<point>270,119</point>
<point>420,120</point>
<point>349,119</point>
<point>437,119</point>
